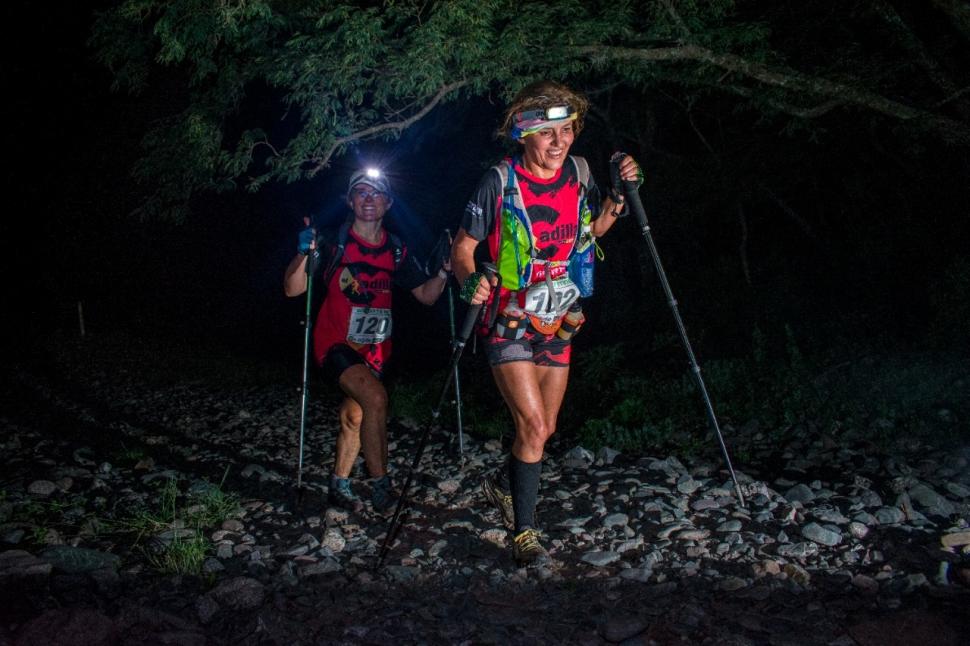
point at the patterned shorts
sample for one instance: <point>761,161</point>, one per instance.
<point>540,349</point>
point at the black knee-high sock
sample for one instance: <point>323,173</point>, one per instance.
<point>524,483</point>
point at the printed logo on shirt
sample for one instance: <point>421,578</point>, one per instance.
<point>352,287</point>
<point>473,209</point>
<point>542,213</point>
<point>377,285</point>
<point>562,233</point>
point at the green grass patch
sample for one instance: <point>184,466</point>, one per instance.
<point>176,526</point>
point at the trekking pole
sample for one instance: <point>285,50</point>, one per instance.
<point>311,265</point>
<point>633,198</point>
<point>451,321</point>
<point>458,346</point>
<point>441,251</point>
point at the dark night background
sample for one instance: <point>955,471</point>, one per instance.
<point>822,268</point>
<point>852,230</point>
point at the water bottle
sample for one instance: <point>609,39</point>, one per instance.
<point>571,322</point>
<point>511,323</point>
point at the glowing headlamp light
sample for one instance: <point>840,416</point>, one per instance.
<point>371,176</point>
<point>547,114</point>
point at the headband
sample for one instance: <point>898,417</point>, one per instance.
<point>530,122</point>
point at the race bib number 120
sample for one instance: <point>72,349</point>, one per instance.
<point>369,325</point>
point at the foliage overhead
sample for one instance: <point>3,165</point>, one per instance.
<point>337,73</point>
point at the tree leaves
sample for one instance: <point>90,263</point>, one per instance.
<point>344,72</point>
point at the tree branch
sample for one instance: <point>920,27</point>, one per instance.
<point>958,12</point>
<point>322,162</point>
<point>952,130</point>
<point>789,108</point>
<point>953,97</point>
<point>917,48</point>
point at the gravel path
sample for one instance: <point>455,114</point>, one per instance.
<point>838,544</point>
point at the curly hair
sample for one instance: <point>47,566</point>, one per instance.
<point>544,94</point>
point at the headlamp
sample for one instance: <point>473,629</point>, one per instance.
<point>546,114</point>
<point>371,176</point>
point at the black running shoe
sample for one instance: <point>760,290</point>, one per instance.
<point>381,496</point>
<point>501,499</point>
<point>527,550</point>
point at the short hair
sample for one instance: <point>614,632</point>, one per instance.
<point>540,95</point>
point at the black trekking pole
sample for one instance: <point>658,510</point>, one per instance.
<point>633,199</point>
<point>459,345</point>
<point>439,253</point>
<point>451,322</point>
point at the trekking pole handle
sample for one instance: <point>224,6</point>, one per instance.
<point>490,271</point>
<point>631,191</point>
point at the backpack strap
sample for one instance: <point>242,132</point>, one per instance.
<point>397,247</point>
<point>343,234</point>
<point>512,204</point>
<point>582,171</point>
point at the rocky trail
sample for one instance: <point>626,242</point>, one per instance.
<point>838,544</point>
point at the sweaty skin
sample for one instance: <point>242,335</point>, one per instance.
<point>534,393</point>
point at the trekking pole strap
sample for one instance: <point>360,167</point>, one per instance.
<point>474,310</point>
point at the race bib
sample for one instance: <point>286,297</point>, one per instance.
<point>547,308</point>
<point>369,325</point>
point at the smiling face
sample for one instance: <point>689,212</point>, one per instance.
<point>545,151</point>
<point>368,203</point>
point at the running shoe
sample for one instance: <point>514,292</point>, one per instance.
<point>501,499</point>
<point>526,549</point>
<point>381,496</point>
<point>342,495</point>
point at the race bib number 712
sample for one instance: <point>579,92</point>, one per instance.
<point>548,306</point>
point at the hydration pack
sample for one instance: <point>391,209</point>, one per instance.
<point>516,248</point>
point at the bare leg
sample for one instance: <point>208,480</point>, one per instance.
<point>348,440</point>
<point>368,392</point>
<point>533,395</point>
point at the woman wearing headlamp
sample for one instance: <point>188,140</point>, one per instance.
<point>539,212</point>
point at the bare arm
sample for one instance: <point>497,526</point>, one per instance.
<point>428,292</point>
<point>463,255</point>
<point>463,262</point>
<point>294,279</point>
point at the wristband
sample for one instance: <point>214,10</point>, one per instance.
<point>470,286</point>
<point>616,195</point>
<point>442,274</point>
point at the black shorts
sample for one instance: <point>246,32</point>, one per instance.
<point>541,349</point>
<point>340,357</point>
